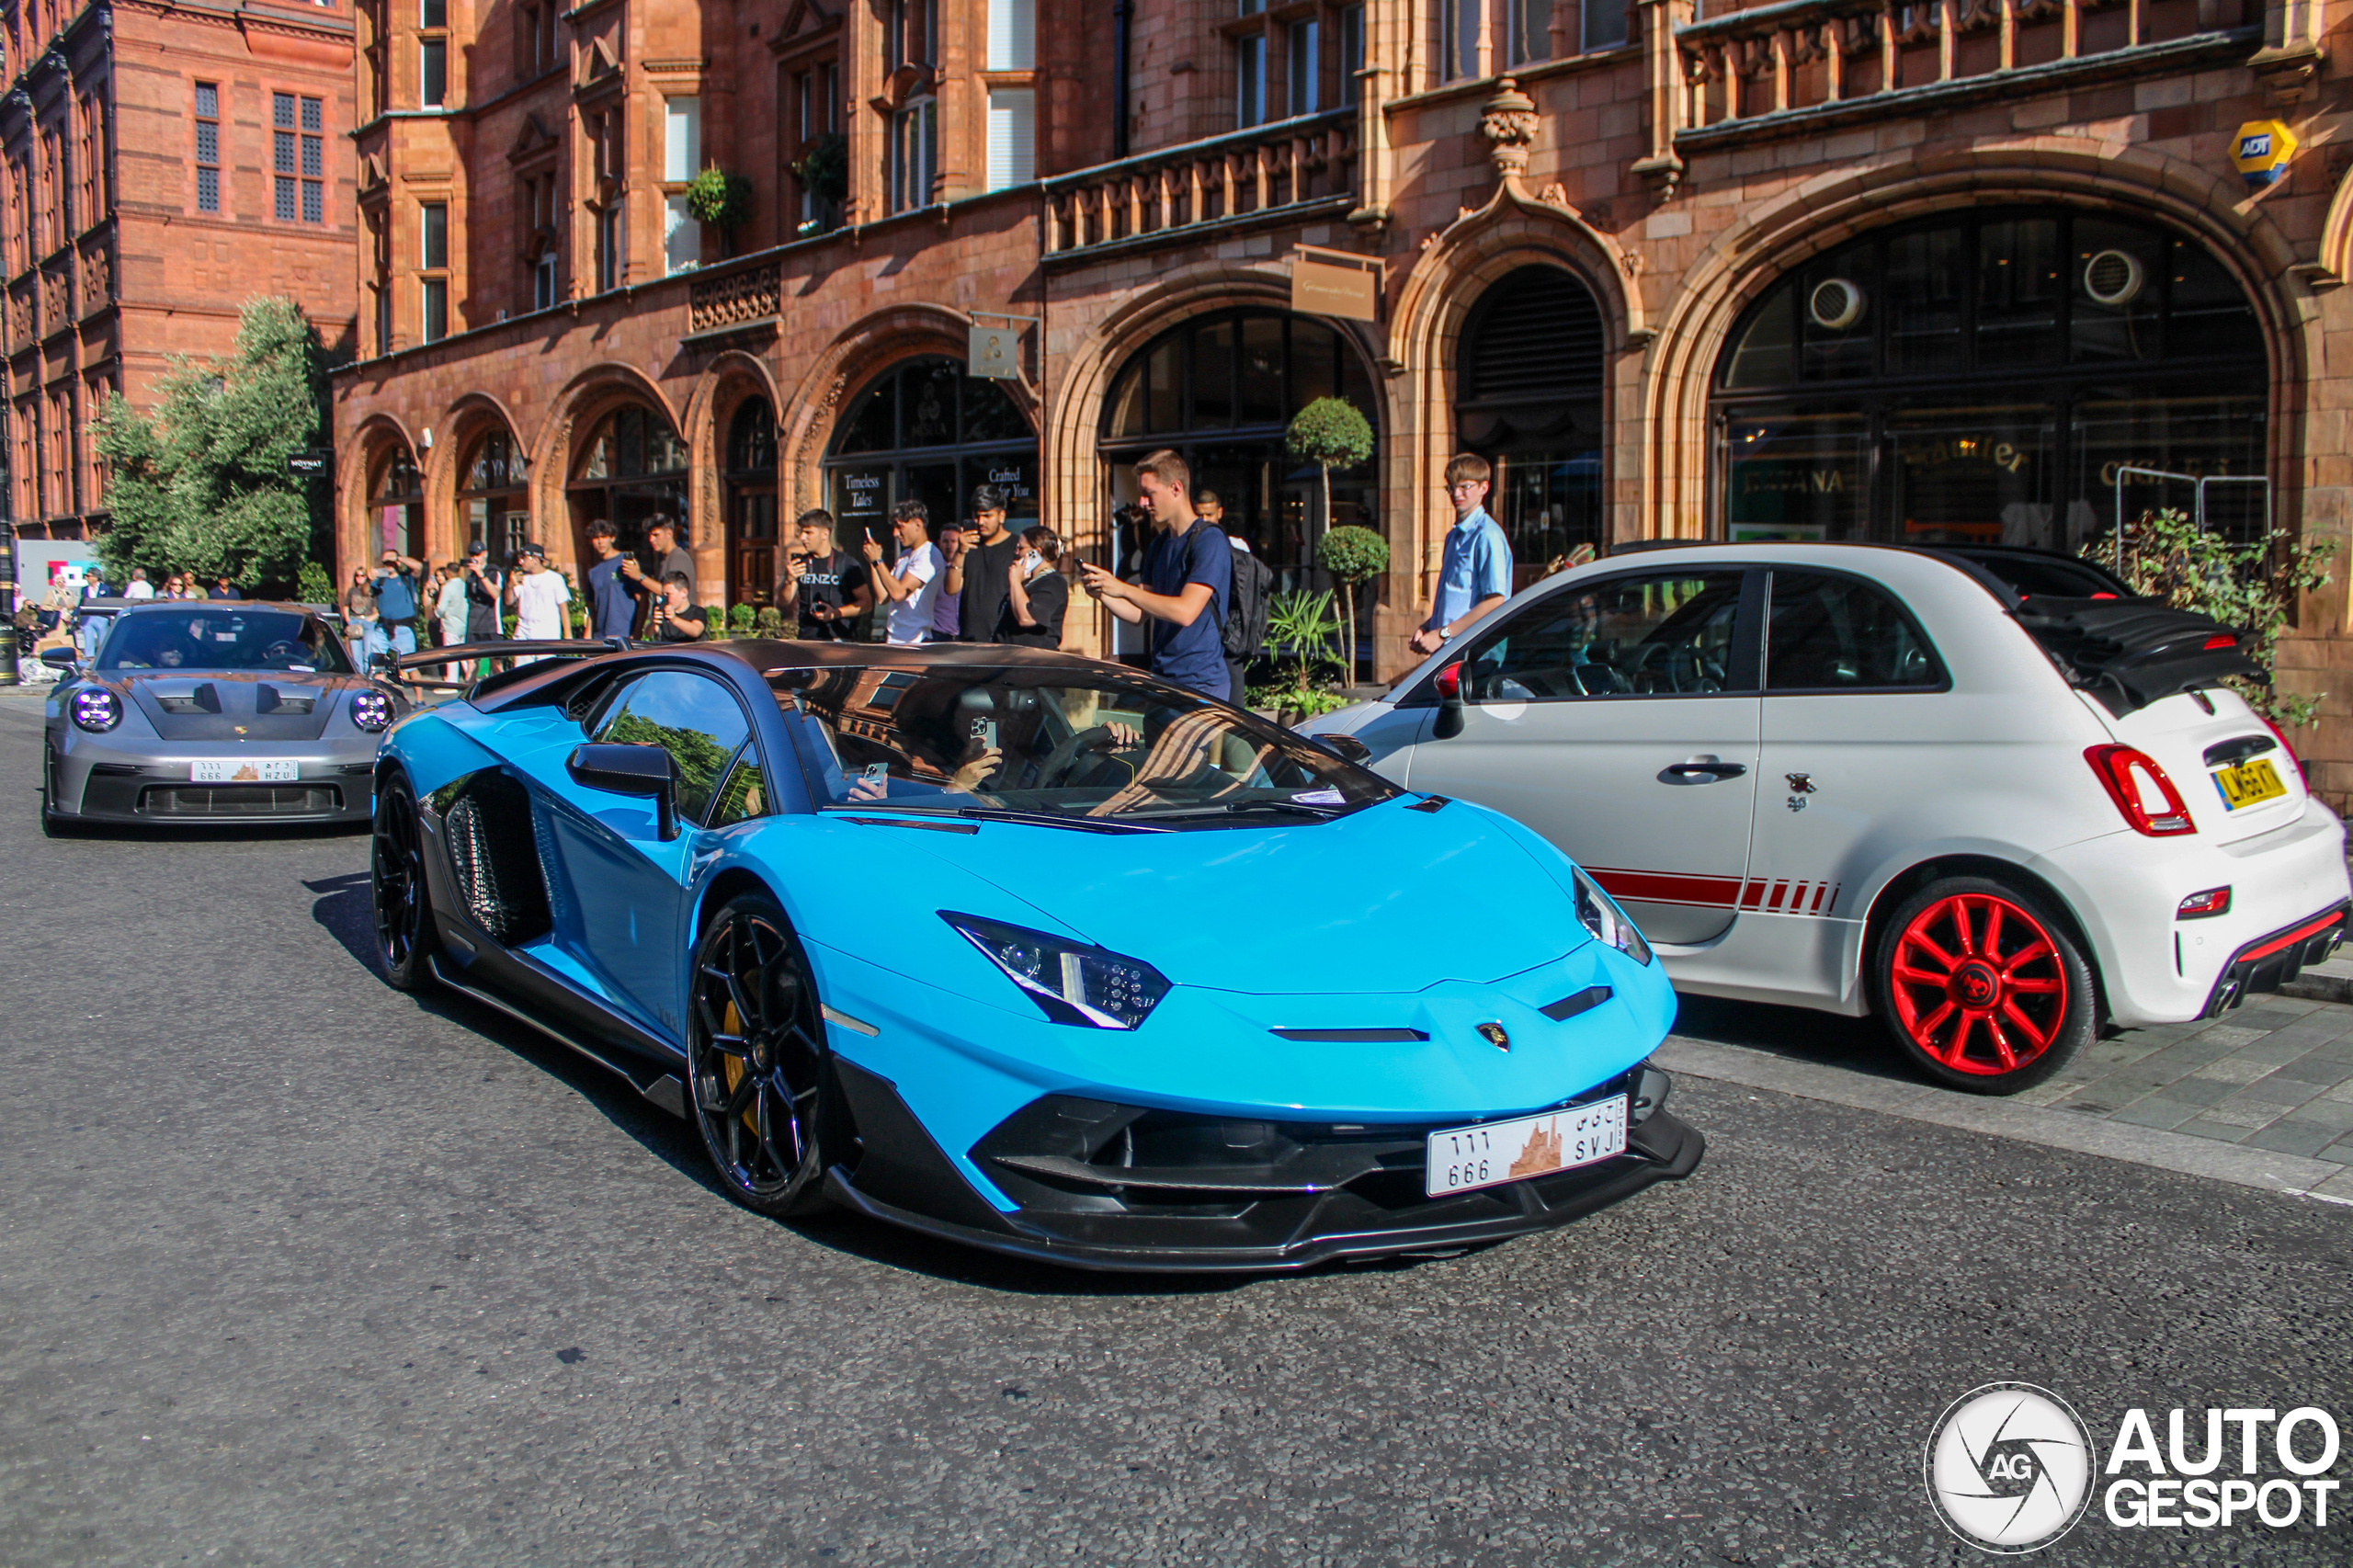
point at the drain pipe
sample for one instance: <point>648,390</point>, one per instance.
<point>1120,11</point>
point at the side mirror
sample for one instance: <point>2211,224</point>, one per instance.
<point>60,658</point>
<point>646,772</point>
<point>1450,703</point>
<point>382,664</point>
<point>1348,748</point>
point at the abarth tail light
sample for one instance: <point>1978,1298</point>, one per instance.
<point>2140,790</point>
<point>2294,760</point>
<point>2204,905</point>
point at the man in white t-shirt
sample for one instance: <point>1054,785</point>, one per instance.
<point>138,587</point>
<point>911,584</point>
<point>538,597</point>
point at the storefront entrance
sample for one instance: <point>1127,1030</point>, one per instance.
<point>1989,379</point>
<point>632,467</point>
<point>751,505</point>
<point>1529,399</point>
<point>925,431</point>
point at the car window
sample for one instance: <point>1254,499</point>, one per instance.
<point>1826,632</point>
<point>690,716</point>
<point>1650,636</point>
<point>745,795</point>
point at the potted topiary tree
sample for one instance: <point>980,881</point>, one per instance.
<point>1330,434</point>
<point>739,620</point>
<point>1352,555</point>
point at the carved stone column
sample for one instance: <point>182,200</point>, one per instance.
<point>1509,122</point>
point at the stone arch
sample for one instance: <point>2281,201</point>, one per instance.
<point>1759,248</point>
<point>1456,269</point>
<point>1070,484</point>
<point>586,398</point>
<point>359,462</point>
<point>862,351</point>
<point>445,466</point>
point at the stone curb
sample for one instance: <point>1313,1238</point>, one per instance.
<point>2074,1133</point>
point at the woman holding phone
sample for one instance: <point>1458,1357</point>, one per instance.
<point>1038,594</point>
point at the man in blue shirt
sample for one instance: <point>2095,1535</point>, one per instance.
<point>395,590</point>
<point>612,609</point>
<point>1187,580</point>
<point>1475,567</point>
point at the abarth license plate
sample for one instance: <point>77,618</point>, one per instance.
<point>1462,1159</point>
<point>240,771</point>
<point>2244,783</point>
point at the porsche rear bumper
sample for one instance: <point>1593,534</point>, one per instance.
<point>902,1177</point>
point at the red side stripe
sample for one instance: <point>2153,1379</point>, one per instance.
<point>1668,887</point>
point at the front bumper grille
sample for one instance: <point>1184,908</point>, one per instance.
<point>216,800</point>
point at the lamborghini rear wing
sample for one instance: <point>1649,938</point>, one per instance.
<point>453,668</point>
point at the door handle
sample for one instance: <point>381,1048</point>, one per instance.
<point>1712,770</point>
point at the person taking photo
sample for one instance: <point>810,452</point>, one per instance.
<point>1036,593</point>
<point>911,582</point>
<point>393,587</point>
<point>977,576</point>
<point>829,587</point>
<point>1180,597</point>
<point>612,612</point>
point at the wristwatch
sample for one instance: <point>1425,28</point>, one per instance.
<point>1445,634</point>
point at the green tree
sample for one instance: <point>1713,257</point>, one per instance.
<point>202,485</point>
<point>1352,555</point>
<point>1330,434</point>
<point>2251,587</point>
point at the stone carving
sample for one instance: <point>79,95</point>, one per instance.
<point>1509,122</point>
<point>739,299</point>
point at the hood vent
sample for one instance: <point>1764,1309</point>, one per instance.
<point>205,699</point>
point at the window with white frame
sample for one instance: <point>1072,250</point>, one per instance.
<point>433,256</point>
<point>915,154</point>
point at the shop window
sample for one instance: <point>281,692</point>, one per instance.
<point>493,500</point>
<point>399,506</point>
<point>1876,391</point>
<point>632,467</point>
<point>923,430</point>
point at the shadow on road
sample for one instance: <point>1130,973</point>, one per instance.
<point>1858,1045</point>
<point>342,908</point>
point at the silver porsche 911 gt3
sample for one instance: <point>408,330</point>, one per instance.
<point>213,711</point>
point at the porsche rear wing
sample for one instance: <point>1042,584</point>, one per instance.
<point>449,669</point>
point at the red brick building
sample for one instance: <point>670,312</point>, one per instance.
<point>1974,270</point>
<point>165,163</point>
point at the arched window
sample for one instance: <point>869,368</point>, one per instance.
<point>398,504</point>
<point>923,430</point>
<point>632,467</point>
<point>493,505</point>
<point>751,504</point>
<point>1529,399</point>
<point>1219,389</point>
<point>1990,378</point>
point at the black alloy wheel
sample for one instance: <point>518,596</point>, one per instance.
<point>403,904</point>
<point>757,1059</point>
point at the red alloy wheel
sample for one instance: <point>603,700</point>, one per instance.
<point>1978,984</point>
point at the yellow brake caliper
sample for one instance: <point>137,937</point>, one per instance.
<point>733,1066</point>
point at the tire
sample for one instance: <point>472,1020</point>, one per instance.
<point>398,891</point>
<point>759,1073</point>
<point>1984,985</point>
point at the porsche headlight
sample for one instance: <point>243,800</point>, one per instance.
<point>1072,983</point>
<point>96,708</point>
<point>1598,914</point>
<point>371,710</point>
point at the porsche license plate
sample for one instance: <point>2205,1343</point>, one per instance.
<point>2244,783</point>
<point>241,770</point>
<point>1464,1158</point>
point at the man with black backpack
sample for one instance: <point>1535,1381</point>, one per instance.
<point>1245,617</point>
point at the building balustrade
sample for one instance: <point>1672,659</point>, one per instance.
<point>749,297</point>
<point>1266,170</point>
<point>1812,54</point>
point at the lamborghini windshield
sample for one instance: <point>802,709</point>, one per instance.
<point>215,635</point>
<point>1087,746</point>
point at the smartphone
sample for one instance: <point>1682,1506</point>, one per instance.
<point>985,732</point>
<point>876,773</point>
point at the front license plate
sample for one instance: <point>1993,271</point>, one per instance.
<point>1464,1158</point>
<point>2244,783</point>
<point>241,771</point>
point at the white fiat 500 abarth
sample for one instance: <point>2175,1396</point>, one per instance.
<point>1984,794</point>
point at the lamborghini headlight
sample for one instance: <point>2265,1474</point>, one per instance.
<point>1598,914</point>
<point>1072,983</point>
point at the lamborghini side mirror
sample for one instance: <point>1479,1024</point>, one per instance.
<point>1450,703</point>
<point>646,772</point>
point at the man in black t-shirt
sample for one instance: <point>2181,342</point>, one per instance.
<point>828,586</point>
<point>977,576</point>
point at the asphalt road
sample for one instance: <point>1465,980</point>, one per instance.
<point>294,1270</point>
